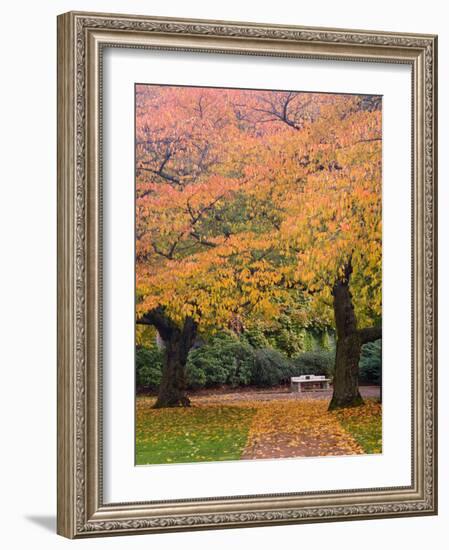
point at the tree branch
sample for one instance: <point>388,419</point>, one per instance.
<point>158,319</point>
<point>202,240</point>
<point>369,139</point>
<point>370,334</point>
<point>162,174</point>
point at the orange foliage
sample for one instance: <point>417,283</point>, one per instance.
<point>245,195</point>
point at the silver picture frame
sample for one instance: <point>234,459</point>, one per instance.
<point>81,40</point>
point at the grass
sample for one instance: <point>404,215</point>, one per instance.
<point>364,424</point>
<point>194,434</point>
<point>215,431</point>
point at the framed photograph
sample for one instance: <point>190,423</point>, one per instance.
<point>246,274</point>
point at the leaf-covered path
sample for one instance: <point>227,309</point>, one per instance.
<point>295,428</point>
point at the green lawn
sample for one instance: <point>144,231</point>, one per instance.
<point>365,428</point>
<point>195,434</point>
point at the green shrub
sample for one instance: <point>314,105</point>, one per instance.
<point>326,341</point>
<point>255,337</point>
<point>270,368</point>
<point>289,341</point>
<point>370,365</point>
<point>292,340</point>
<point>289,337</point>
<point>226,359</point>
<point>196,376</point>
<point>320,362</point>
<point>149,367</point>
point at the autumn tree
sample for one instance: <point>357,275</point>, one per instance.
<point>333,226</point>
<point>201,246</point>
<point>325,163</point>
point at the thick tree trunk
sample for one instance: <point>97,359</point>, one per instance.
<point>172,391</point>
<point>177,344</point>
<point>349,345</point>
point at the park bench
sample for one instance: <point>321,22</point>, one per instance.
<point>309,382</point>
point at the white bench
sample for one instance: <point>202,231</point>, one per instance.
<point>309,382</point>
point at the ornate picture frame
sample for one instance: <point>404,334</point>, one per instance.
<point>82,39</point>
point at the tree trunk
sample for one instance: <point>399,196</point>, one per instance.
<point>172,391</point>
<point>177,344</point>
<point>349,345</point>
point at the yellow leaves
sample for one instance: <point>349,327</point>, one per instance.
<point>364,423</point>
<point>145,335</point>
<point>235,204</point>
